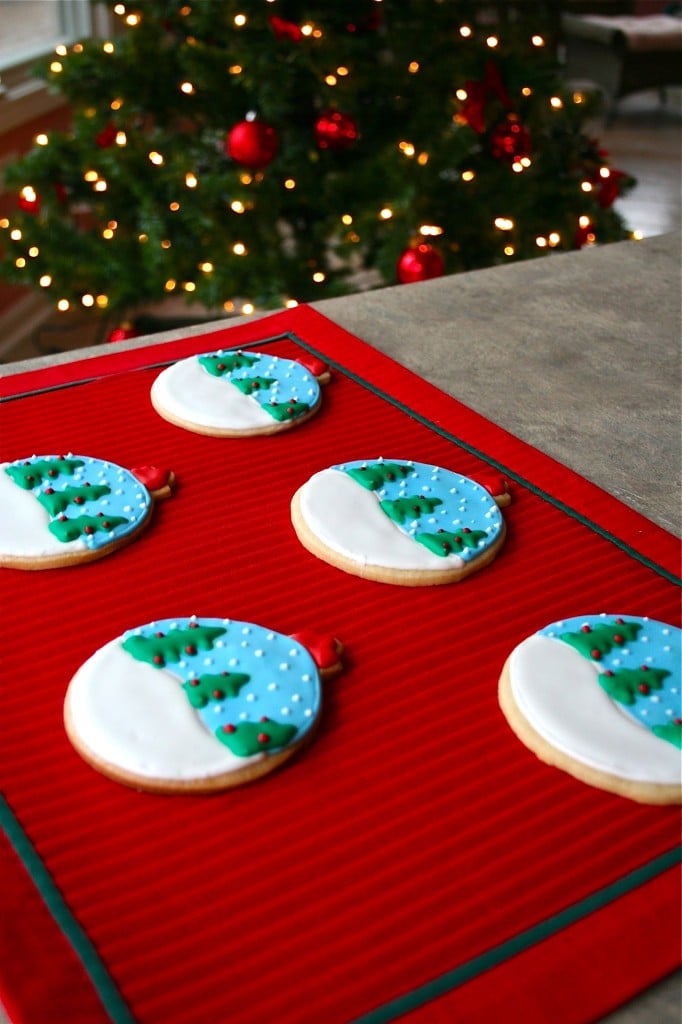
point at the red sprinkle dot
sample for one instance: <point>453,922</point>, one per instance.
<point>263,737</point>
<point>190,649</point>
<point>217,694</point>
<point>158,659</point>
<point>229,728</point>
<point>585,629</point>
<point>596,654</point>
<point>643,688</point>
<point>193,682</point>
<point>618,639</point>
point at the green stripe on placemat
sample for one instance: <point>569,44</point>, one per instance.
<point>100,979</point>
<point>520,943</point>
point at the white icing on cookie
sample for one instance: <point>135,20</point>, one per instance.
<point>24,524</point>
<point>349,520</point>
<point>138,718</point>
<point>556,690</point>
<point>187,392</point>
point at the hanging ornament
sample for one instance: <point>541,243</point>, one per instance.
<point>29,200</point>
<point>510,141</point>
<point>419,262</point>
<point>285,29</point>
<point>609,187</point>
<point>123,332</point>
<point>107,137</point>
<point>478,93</point>
<point>335,130</point>
<point>252,143</point>
<point>584,235</point>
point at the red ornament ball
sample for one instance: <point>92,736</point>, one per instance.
<point>122,332</point>
<point>510,141</point>
<point>419,263</point>
<point>335,130</point>
<point>29,200</point>
<point>107,136</point>
<point>253,144</point>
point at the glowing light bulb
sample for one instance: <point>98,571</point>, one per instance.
<point>61,50</point>
<point>461,94</point>
<point>492,42</point>
<point>63,305</point>
<point>384,214</point>
<point>56,67</point>
<point>15,235</point>
<point>319,277</point>
<point>346,219</point>
<point>133,20</point>
<point>465,31</point>
<point>240,20</point>
<point>248,308</point>
<point>102,301</point>
<point>537,40</point>
<point>508,250</point>
<point>468,175</point>
<point>291,303</point>
<point>206,267</point>
<point>191,180</point>
<point>290,184</point>
<point>108,47</point>
<point>100,185</point>
<point>189,286</point>
<point>20,262</point>
<point>121,139</point>
<point>541,242</point>
<point>170,285</point>
<point>155,158</point>
<point>45,281</point>
<point>174,207</point>
<point>556,102</point>
<point>34,251</point>
<point>330,80</point>
<point>235,69</point>
<point>88,300</point>
<point>41,140</point>
<point>187,88</point>
<point>413,67</point>
<point>239,249</point>
<point>586,186</point>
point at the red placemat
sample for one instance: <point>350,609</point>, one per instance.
<point>414,860</point>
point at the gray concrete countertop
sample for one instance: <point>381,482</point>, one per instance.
<point>577,354</point>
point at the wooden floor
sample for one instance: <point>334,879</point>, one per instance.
<point>645,140</point>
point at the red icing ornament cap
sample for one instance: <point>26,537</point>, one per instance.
<point>324,649</point>
<point>158,481</point>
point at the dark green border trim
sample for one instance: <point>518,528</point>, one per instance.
<point>521,942</point>
<point>100,979</point>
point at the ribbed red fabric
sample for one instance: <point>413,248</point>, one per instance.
<point>416,839</point>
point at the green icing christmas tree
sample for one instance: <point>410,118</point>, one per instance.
<point>248,738</point>
<point>226,362</point>
<point>596,641</point>
<point>282,411</point>
<point>68,529</point>
<point>671,732</point>
<point>58,501</point>
<point>402,510</point>
<point>626,684</point>
<point>266,152</point>
<point>214,686</point>
<point>447,542</point>
<point>32,474</point>
<point>249,384</point>
<point>172,646</point>
<point>375,474</point>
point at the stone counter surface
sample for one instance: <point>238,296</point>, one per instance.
<point>577,354</point>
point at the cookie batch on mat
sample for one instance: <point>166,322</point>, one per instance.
<point>599,696</point>
<point>398,521</point>
<point>198,704</point>
<point>239,393</point>
<point>59,510</point>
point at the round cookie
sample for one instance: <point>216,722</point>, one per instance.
<point>232,393</point>
<point>399,522</point>
<point>63,510</point>
<point>197,704</point>
<point>599,697</point>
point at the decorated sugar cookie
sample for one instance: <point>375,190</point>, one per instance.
<point>599,696</point>
<point>232,393</point>
<point>400,522</point>
<point>194,704</point>
<point>58,510</point>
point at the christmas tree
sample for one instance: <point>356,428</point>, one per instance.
<point>261,153</point>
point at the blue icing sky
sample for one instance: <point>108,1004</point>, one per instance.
<point>465,503</point>
<point>657,645</point>
<point>284,683</point>
<point>293,380</point>
<point>128,497</point>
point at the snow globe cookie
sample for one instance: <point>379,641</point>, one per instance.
<point>400,522</point>
<point>60,510</point>
<point>599,697</point>
<point>198,704</point>
<point>237,393</point>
